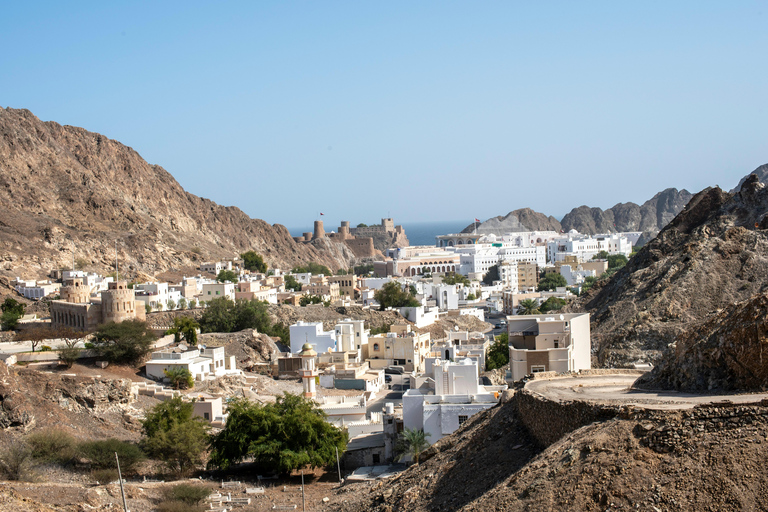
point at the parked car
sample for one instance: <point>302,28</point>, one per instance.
<point>394,370</point>
<point>387,378</point>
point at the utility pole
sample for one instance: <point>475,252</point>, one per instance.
<point>338,464</point>
<point>120,479</point>
<point>303,503</point>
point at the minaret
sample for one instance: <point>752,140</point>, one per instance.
<point>308,371</point>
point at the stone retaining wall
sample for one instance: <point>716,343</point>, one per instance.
<point>548,420</point>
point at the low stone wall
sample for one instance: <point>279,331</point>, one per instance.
<point>547,420</point>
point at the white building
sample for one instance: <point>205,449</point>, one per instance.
<point>548,343</point>
<point>574,276</point>
<point>312,333</point>
<point>351,335</point>
<point>420,316</point>
<point>585,247</point>
<point>457,396</point>
<point>201,363</point>
<point>32,289</point>
<point>157,295</point>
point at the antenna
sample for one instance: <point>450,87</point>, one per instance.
<point>117,268</point>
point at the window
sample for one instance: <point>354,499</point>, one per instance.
<point>206,416</point>
<point>538,368</point>
<point>209,292</point>
<point>376,347</point>
<point>462,419</point>
<point>376,458</point>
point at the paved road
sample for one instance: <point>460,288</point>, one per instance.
<point>615,389</point>
<point>14,347</point>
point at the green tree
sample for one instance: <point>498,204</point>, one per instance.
<point>454,278</point>
<point>192,304</point>
<point>184,327</point>
<point>527,307</point>
<point>147,308</point>
<point>287,435</point>
<point>171,304</point>
<point>392,295</point>
<point>552,304</point>
<point>589,282</point>
<point>292,284</point>
<point>174,435</point>
<point>313,268</point>
<point>363,270</point>
<point>179,378</point>
<point>471,296</point>
<point>492,275</point>
<point>253,261</point>
<point>182,303</point>
<point>12,310</point>
<point>412,442</point>
<point>101,454</point>
<point>124,342</point>
<point>362,225</point>
<point>227,275</point>
<point>306,300</point>
<point>617,261</point>
<point>498,353</point>
<point>602,255</point>
<point>224,315</point>
<point>551,281</point>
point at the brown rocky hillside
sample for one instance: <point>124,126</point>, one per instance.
<point>523,219</point>
<point>63,187</point>
<point>729,352</point>
<point>713,254</point>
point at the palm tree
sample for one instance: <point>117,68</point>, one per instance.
<point>527,307</point>
<point>412,442</point>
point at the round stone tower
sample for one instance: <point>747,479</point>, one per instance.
<point>344,229</point>
<point>319,231</point>
<point>76,292</point>
<point>118,303</point>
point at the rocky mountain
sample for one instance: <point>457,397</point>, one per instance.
<point>713,254</point>
<point>725,353</point>
<point>650,217</point>
<point>762,175</point>
<point>523,219</point>
<point>65,189</point>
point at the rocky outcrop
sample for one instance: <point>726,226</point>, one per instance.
<point>523,219</point>
<point>30,399</point>
<point>65,189</point>
<point>728,352</point>
<point>761,173</point>
<point>650,217</point>
<point>713,254</point>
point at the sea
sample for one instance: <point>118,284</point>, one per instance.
<point>419,233</point>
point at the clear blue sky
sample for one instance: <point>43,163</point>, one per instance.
<point>423,110</point>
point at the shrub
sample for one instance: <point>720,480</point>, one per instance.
<point>45,348</point>
<point>186,493</point>
<point>101,454</point>
<point>177,506</point>
<point>127,341</point>
<point>16,462</point>
<point>105,476</point>
<point>52,445</point>
<point>69,356</point>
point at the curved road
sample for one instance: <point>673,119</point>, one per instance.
<point>615,390</point>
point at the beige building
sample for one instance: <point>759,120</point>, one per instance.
<point>548,343</point>
<point>411,261</point>
<point>511,300</point>
<point>347,285</point>
<point>79,310</point>
<point>527,276</point>
<point>400,346</point>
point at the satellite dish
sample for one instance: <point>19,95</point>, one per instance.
<point>183,347</point>
<point>562,317</point>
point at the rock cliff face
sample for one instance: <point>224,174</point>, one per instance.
<point>728,352</point>
<point>650,217</point>
<point>63,187</point>
<point>713,254</point>
<point>761,173</point>
<point>523,219</point>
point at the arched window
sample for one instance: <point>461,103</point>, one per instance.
<point>375,347</point>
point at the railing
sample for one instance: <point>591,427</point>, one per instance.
<point>523,333</point>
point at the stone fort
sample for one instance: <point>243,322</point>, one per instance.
<point>79,310</point>
<point>359,240</point>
